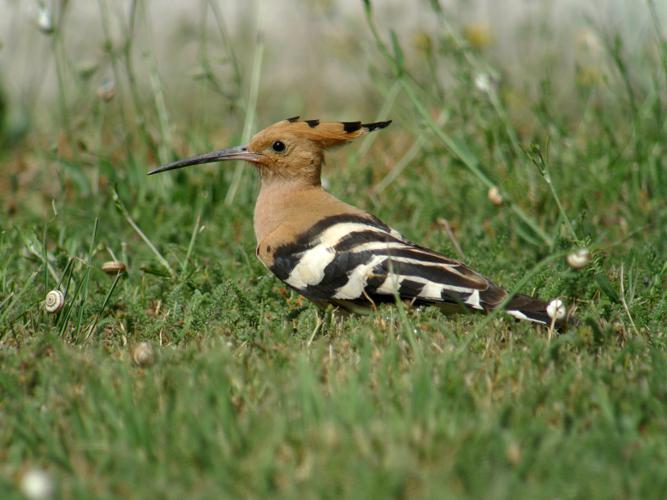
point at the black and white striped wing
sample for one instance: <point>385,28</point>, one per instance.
<point>359,260</point>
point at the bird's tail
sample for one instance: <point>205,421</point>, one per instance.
<point>531,309</point>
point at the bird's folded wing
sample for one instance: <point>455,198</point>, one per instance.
<point>356,258</point>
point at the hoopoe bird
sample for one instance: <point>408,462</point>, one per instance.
<point>335,253</point>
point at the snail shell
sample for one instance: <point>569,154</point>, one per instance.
<point>55,300</point>
<point>556,309</point>
<point>113,267</point>
<point>143,354</point>
<point>494,196</point>
<point>579,259</point>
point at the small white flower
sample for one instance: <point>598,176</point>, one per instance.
<point>556,309</point>
<point>590,42</point>
<point>36,484</point>
<point>579,259</point>
<point>44,21</point>
<point>107,90</point>
<point>484,82</point>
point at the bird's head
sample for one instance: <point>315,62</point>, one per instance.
<point>288,149</point>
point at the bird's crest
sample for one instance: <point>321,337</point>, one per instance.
<point>326,134</point>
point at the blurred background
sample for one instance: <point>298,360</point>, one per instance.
<point>316,56</point>
<point>93,93</point>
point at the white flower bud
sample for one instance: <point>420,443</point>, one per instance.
<point>44,21</point>
<point>36,484</point>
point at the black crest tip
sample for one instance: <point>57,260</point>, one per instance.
<point>376,126</point>
<point>313,123</point>
<point>350,127</point>
<point>292,119</point>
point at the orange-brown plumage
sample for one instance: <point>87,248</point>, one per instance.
<point>333,252</point>
<point>305,142</point>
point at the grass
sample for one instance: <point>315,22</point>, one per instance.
<point>400,403</point>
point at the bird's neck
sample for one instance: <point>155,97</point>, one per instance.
<point>277,201</point>
<point>298,203</point>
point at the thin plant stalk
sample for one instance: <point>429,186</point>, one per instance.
<point>123,210</point>
<point>250,111</point>
<point>86,277</point>
<point>409,155</point>
<point>625,303</point>
<point>104,305</point>
<point>387,105</point>
<point>193,239</point>
<point>535,155</point>
<point>56,46</point>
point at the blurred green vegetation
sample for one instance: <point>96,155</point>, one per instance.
<point>239,401</point>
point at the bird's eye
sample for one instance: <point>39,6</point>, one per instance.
<point>278,146</point>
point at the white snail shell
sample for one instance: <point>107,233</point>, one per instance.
<point>55,300</point>
<point>143,354</point>
<point>579,259</point>
<point>494,196</point>
<point>556,309</point>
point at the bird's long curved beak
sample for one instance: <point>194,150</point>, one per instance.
<point>235,153</point>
